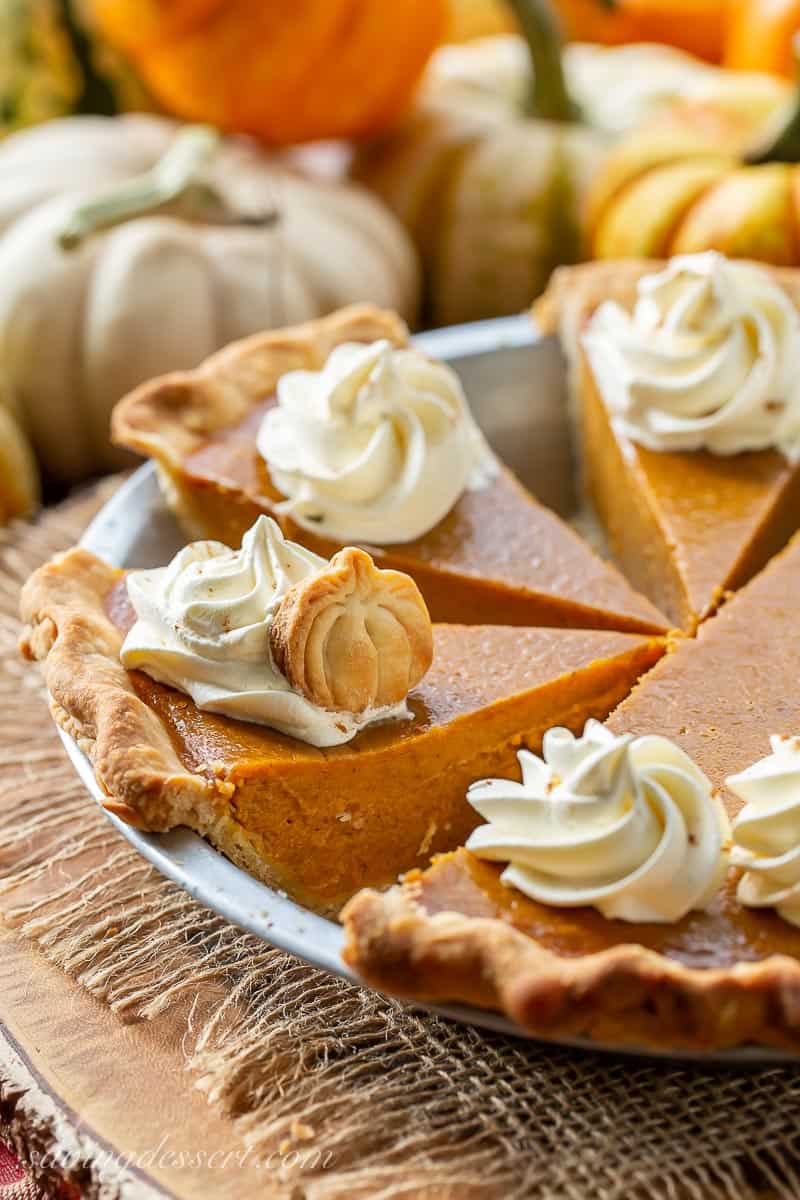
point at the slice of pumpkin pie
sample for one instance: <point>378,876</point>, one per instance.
<point>687,384</point>
<point>348,436</point>
<point>301,713</point>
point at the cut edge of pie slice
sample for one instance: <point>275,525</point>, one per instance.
<point>687,557</point>
<point>499,557</point>
<point>716,979</point>
<point>316,823</point>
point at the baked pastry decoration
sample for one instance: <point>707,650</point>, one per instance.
<point>345,435</point>
<point>274,634</point>
<point>259,697</point>
<point>352,637</point>
<point>686,380</point>
<point>722,976</point>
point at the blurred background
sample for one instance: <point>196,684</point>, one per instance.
<point>178,173</point>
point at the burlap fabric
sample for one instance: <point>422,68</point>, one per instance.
<point>403,1104</point>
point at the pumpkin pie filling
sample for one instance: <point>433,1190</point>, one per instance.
<point>700,526</point>
<point>724,934</point>
<point>718,697</point>
<point>320,823</point>
<point>483,547</point>
<point>687,527</point>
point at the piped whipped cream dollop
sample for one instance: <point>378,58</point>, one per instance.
<point>766,832</point>
<point>376,447</point>
<point>708,359</point>
<point>203,627</point>
<point>628,825</point>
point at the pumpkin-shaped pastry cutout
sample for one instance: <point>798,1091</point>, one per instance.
<point>353,637</point>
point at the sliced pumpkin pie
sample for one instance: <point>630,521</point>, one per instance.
<point>346,435</point>
<point>687,381</point>
<point>302,714</point>
<point>605,923</point>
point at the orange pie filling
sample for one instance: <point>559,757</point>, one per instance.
<point>478,564</point>
<point>724,972</point>
<point>322,823</point>
<point>685,377</point>
<point>347,436</point>
<point>723,934</point>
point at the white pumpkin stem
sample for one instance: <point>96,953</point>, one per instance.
<point>549,96</point>
<point>177,173</point>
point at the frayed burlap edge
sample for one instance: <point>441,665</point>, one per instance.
<point>403,1104</point>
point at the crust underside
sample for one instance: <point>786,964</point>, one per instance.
<point>624,995</point>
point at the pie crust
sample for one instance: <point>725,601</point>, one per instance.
<point>621,994</point>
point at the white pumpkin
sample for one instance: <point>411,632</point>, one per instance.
<point>493,197</point>
<point>245,243</point>
<point>617,88</point>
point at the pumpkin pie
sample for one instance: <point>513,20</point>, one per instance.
<point>687,526</point>
<point>317,822</point>
<point>720,977</point>
<point>498,556</point>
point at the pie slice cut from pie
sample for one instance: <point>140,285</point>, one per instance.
<point>687,528</point>
<point>498,557</point>
<point>317,823</point>
<point>717,978</point>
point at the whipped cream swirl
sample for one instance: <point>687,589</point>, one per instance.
<point>709,359</point>
<point>766,832</point>
<point>628,825</point>
<point>376,447</point>
<point>203,626</point>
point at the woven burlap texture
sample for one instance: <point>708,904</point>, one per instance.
<point>409,1104</point>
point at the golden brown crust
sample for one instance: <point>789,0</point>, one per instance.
<point>626,994</point>
<point>92,698</point>
<point>353,637</point>
<point>169,417</point>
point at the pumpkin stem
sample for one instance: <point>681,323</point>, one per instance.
<point>782,143</point>
<point>549,97</point>
<point>177,174</point>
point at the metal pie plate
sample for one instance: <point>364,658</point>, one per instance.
<point>515,383</point>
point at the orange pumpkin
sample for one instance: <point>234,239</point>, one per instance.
<point>284,72</point>
<point>760,35</point>
<point>699,177</point>
<point>470,19</point>
<point>694,25</point>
